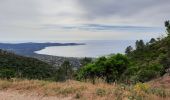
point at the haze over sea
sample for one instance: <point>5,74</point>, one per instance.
<point>92,48</point>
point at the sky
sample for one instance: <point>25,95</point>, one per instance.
<point>53,20</point>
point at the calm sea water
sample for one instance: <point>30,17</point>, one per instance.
<point>93,48</point>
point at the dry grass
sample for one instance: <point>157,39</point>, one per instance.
<point>85,91</point>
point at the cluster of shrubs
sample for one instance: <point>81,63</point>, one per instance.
<point>109,68</point>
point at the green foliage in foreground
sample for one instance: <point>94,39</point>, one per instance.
<point>108,68</point>
<point>65,72</point>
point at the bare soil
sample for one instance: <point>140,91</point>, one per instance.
<point>11,95</point>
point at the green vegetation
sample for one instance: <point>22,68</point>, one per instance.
<point>143,63</point>
<point>65,72</point>
<point>15,66</point>
<point>12,65</point>
<point>108,68</point>
<point>149,60</point>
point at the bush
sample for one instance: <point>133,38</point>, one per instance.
<point>146,75</point>
<point>110,69</point>
<point>7,73</point>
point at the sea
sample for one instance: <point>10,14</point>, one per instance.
<point>91,48</point>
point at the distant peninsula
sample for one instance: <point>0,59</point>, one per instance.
<point>28,49</point>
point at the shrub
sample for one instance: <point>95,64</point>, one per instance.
<point>7,73</point>
<point>110,69</point>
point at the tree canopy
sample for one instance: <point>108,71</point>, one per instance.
<point>107,68</point>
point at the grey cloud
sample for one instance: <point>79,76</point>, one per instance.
<point>123,8</point>
<point>24,17</point>
<point>29,11</point>
<point>18,11</point>
<point>101,27</point>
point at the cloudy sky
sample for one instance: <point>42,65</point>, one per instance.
<point>52,20</point>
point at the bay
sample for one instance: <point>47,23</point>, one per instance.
<point>92,48</point>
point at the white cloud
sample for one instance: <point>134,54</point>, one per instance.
<point>30,19</point>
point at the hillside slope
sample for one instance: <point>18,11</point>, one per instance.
<point>12,65</point>
<point>150,60</point>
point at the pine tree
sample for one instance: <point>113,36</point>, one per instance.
<point>128,50</point>
<point>67,68</point>
<point>140,45</point>
<point>152,40</point>
<point>167,25</point>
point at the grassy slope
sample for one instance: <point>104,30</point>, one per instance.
<point>88,91</point>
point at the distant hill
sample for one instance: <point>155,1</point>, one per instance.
<point>28,49</point>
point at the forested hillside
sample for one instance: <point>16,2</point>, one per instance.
<point>12,65</point>
<point>150,60</point>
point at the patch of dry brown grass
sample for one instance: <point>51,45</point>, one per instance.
<point>82,90</point>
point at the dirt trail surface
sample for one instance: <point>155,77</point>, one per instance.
<point>9,95</point>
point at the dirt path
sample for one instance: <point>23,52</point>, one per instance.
<point>8,95</point>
